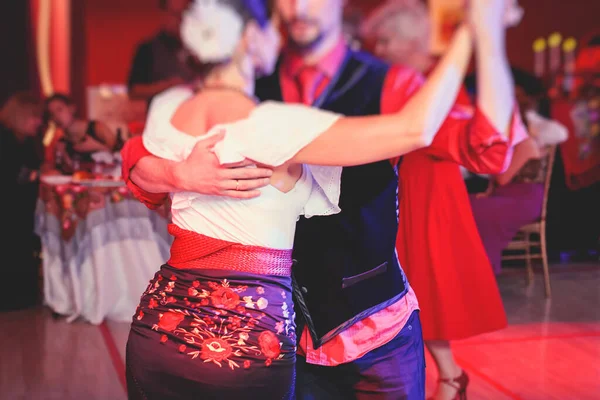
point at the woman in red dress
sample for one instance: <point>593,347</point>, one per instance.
<point>444,259</point>
<point>438,243</point>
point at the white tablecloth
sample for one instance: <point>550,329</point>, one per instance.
<point>103,269</point>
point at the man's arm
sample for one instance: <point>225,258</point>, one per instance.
<point>495,86</point>
<point>151,178</point>
<point>131,154</point>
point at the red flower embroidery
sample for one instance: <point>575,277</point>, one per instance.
<point>225,298</point>
<point>234,322</point>
<point>215,349</point>
<point>195,284</point>
<point>164,338</point>
<point>170,320</point>
<point>268,362</point>
<point>204,302</point>
<point>192,292</point>
<point>241,309</point>
<point>140,315</point>
<point>182,348</point>
<point>152,304</point>
<point>269,344</point>
<point>173,278</point>
<point>246,364</point>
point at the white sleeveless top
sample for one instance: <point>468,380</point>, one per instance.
<point>271,135</point>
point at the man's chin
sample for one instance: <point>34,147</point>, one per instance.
<point>305,43</point>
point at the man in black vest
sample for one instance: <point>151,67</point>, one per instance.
<point>361,334</point>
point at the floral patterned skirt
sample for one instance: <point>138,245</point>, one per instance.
<point>213,334</point>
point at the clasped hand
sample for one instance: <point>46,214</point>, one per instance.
<point>202,173</point>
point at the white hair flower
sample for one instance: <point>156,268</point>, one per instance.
<point>211,30</point>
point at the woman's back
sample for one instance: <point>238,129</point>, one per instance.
<point>266,134</point>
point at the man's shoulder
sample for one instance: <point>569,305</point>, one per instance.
<point>149,41</point>
<point>368,60</point>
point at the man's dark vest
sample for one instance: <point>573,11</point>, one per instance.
<point>347,265</point>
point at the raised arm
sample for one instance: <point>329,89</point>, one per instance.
<point>495,86</point>
<point>360,140</point>
<point>481,138</point>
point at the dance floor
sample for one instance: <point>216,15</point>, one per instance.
<point>551,350</point>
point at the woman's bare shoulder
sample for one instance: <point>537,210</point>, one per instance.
<point>198,114</point>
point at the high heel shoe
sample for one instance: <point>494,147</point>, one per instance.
<point>460,384</point>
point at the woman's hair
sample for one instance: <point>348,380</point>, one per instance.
<point>534,88</point>
<point>247,10</point>
<point>18,107</point>
<point>60,97</point>
<point>410,20</point>
<point>55,97</point>
<point>531,84</point>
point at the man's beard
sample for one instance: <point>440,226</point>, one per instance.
<point>303,46</point>
<point>306,45</point>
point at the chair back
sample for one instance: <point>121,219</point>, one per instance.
<point>551,153</point>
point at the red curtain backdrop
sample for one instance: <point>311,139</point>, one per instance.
<point>112,30</point>
<point>113,27</point>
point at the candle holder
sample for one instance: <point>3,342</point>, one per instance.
<point>569,47</point>
<point>539,57</point>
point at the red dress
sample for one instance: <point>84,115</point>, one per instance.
<point>438,243</point>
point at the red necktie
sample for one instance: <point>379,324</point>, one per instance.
<point>308,81</point>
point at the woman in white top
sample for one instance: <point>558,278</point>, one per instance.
<point>217,321</point>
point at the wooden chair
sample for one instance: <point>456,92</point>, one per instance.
<point>524,241</point>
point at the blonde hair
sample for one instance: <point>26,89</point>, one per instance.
<point>18,108</point>
<point>409,20</point>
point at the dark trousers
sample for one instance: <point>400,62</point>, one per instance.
<point>394,371</point>
<point>20,263</point>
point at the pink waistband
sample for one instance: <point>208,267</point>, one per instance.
<point>191,250</point>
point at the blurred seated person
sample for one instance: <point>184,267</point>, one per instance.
<point>161,62</point>
<point>400,34</point>
<point>21,155</point>
<point>81,138</point>
<point>514,198</point>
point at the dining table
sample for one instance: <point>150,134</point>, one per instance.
<point>100,247</point>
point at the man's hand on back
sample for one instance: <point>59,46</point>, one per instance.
<point>202,173</point>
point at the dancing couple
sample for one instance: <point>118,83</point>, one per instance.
<point>253,185</point>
